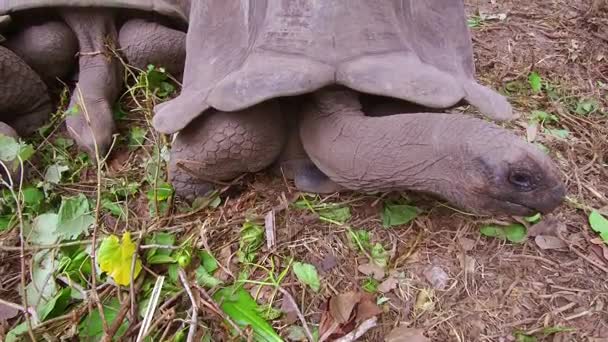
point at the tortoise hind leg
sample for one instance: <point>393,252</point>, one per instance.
<point>49,48</point>
<point>24,100</point>
<point>220,146</point>
<point>146,42</point>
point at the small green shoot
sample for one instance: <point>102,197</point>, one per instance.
<point>370,285</point>
<point>535,82</point>
<point>252,239</point>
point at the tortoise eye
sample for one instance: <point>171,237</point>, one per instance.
<point>522,180</point>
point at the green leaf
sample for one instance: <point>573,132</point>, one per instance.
<point>269,313</point>
<point>535,82</point>
<point>32,198</point>
<point>558,133</point>
<point>307,274</point>
<point>163,239</point>
<point>53,173</point>
<point>360,239</point>
<point>9,148</point>
<point>74,217</point>
<point>160,259</point>
<point>14,334</point>
<point>398,214</point>
<point>379,255</point>
<point>208,261</point>
<point>251,240</point>
<point>91,328</point>
<point>163,192</point>
<point>243,310</point>
<point>64,143</point>
<point>542,117</point>
<point>113,207</point>
<point>42,287</point>
<point>26,151</point>
<point>370,285</point>
<point>76,264</point>
<point>137,136</point>
<point>338,214</point>
<point>514,232</point>
<point>599,224</point>
<point>522,337</point>
<point>57,305</point>
<point>114,258</point>
<point>533,219</point>
<point>43,230</point>
<point>586,107</point>
<point>205,279</point>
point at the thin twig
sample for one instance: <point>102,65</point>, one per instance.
<point>97,210</point>
<point>288,296</point>
<point>194,317</point>
<point>212,305</point>
<point>21,237</point>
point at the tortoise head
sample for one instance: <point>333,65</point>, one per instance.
<point>470,162</point>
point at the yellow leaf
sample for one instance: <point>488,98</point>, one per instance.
<point>115,257</point>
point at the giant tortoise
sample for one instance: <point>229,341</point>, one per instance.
<point>253,67</point>
<point>51,39</point>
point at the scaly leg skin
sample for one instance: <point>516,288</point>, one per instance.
<point>90,118</point>
<point>220,146</point>
<point>24,100</point>
<point>145,42</point>
<point>49,48</point>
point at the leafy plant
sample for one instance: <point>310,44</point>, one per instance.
<point>252,239</point>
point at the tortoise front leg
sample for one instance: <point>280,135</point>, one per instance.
<point>146,42</point>
<point>90,117</point>
<point>221,146</point>
<point>24,100</point>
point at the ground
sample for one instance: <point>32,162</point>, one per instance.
<point>440,277</point>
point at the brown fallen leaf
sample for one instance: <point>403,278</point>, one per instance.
<point>388,285</point>
<point>290,311</point>
<point>601,250</point>
<point>405,334</point>
<point>345,312</point>
<point>342,305</point>
<point>424,301</point>
<point>466,243</point>
<point>7,312</point>
<point>549,242</point>
<point>367,308</point>
<point>468,263</point>
<point>329,262</point>
<point>371,269</point>
<point>550,226</point>
<point>531,132</point>
<point>437,277</point>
